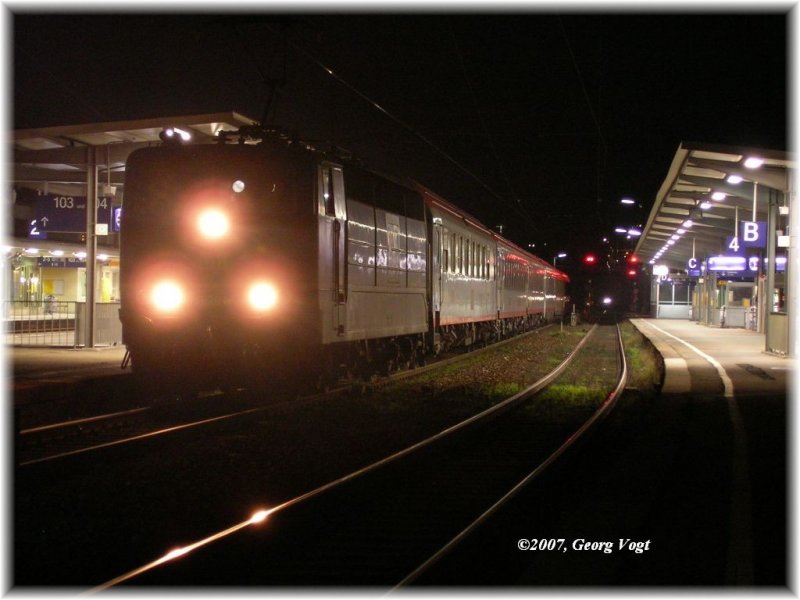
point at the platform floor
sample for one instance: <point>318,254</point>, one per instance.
<point>699,359</point>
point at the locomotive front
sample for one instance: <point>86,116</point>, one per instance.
<point>216,258</point>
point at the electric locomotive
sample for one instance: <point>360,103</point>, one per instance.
<point>260,260</point>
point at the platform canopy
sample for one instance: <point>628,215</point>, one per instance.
<point>55,159</point>
<point>699,207</point>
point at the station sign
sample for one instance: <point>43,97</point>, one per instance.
<point>54,261</point>
<point>751,234</point>
<point>694,268</point>
<point>733,246</point>
<point>727,263</point>
<point>732,262</point>
<point>116,219</point>
<point>65,214</point>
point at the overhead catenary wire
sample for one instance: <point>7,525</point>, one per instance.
<point>589,104</point>
<point>401,122</point>
<point>489,138</point>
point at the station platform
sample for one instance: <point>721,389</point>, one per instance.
<point>731,362</point>
<point>32,367</point>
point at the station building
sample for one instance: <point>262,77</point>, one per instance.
<point>721,242</point>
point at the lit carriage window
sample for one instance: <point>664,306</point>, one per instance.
<point>473,260</point>
<point>327,192</point>
<point>454,252</point>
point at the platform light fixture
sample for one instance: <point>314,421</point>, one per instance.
<point>174,135</point>
<point>753,162</point>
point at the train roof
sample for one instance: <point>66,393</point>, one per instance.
<point>432,198</point>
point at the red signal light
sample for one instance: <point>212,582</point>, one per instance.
<point>631,272</point>
<point>632,259</point>
<point>590,259</point>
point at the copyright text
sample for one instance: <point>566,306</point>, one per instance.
<point>582,545</point>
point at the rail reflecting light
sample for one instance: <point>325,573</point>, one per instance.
<point>175,553</point>
<point>259,516</point>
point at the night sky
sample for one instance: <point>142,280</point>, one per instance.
<point>538,121</point>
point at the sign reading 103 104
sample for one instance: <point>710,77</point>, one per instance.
<point>65,214</point>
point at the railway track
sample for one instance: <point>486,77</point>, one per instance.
<point>54,441</point>
<point>391,522</point>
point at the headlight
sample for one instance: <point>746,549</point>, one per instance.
<point>262,297</point>
<point>167,297</point>
<point>213,224</point>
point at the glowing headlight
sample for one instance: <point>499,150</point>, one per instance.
<point>262,297</point>
<point>213,224</point>
<point>167,297</point>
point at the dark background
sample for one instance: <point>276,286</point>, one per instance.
<point>538,121</point>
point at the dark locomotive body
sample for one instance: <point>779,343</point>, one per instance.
<point>243,264</point>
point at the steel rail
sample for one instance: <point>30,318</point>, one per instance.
<point>602,411</point>
<point>83,421</point>
<point>262,515</point>
<point>295,402</point>
<point>140,437</point>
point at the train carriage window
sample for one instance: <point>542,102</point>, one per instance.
<point>358,186</point>
<point>327,192</point>
<point>415,206</point>
<point>444,240</point>
<point>456,254</point>
<point>473,260</point>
